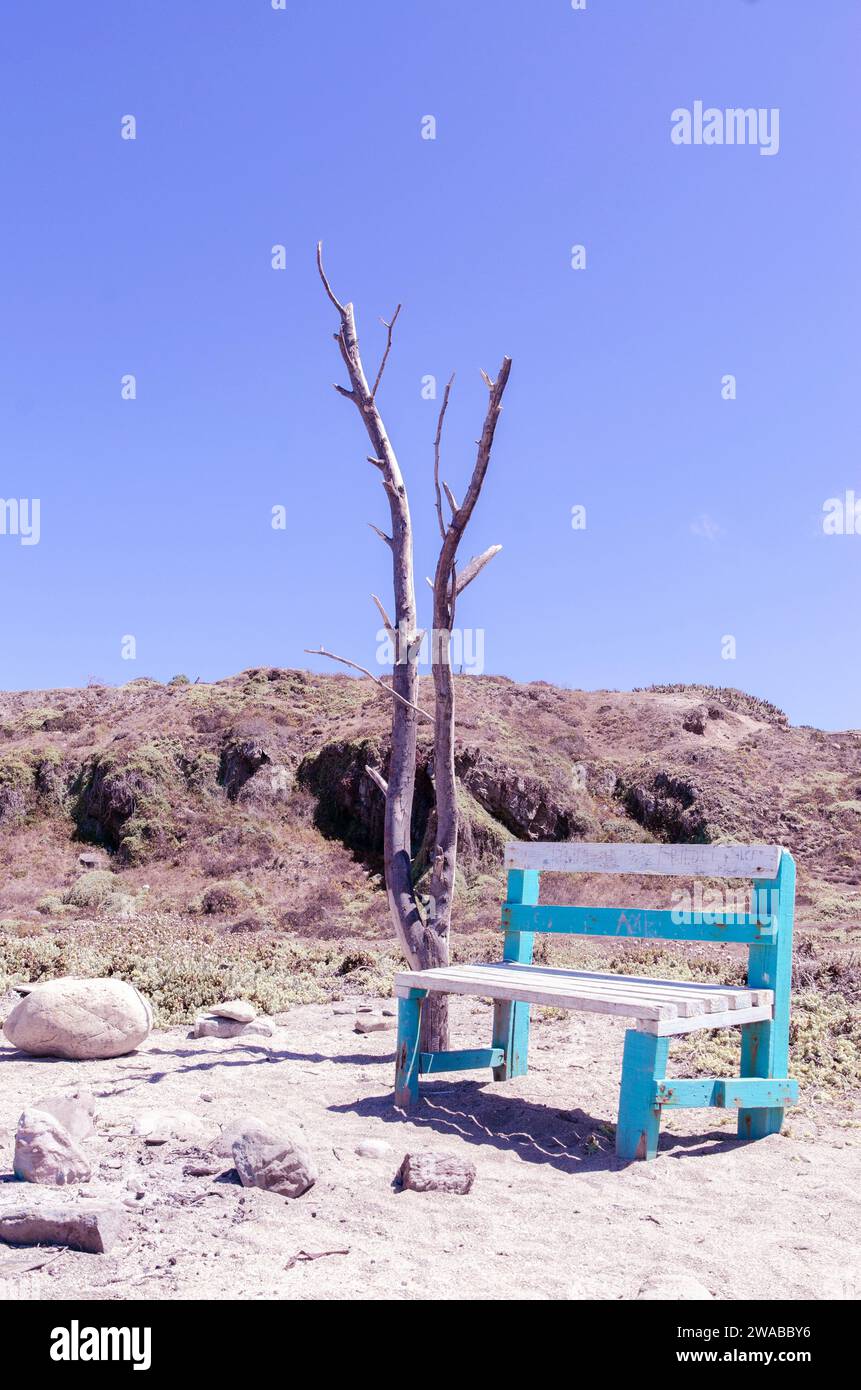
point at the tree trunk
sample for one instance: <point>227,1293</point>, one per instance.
<point>425,943</point>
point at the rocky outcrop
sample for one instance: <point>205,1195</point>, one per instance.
<point>256,768</point>
<point>525,806</point>
<point>667,805</point>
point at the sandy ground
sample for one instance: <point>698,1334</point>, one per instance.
<point>551,1215</point>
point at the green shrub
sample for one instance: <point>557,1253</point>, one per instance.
<point>228,896</point>
<point>91,890</point>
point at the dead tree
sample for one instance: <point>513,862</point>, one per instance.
<point>423,933</point>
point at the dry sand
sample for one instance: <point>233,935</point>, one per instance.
<point>551,1214</point>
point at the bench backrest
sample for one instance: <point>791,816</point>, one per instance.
<point>766,929</point>
<point>769,868</point>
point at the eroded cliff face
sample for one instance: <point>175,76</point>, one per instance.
<point>251,793</point>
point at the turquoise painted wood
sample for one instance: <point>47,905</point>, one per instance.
<point>765,1046</point>
<point>637,923</point>
<point>690,1094</point>
<point>407,1056</point>
<point>644,1063</point>
<point>759,1094</point>
<point>471,1060</point>
<point>510,1018</point>
<point>712,1091</point>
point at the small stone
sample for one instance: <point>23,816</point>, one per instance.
<point>388,1012</point>
<point>372,1023</point>
<point>158,1126</point>
<point>74,1111</point>
<point>91,860</point>
<point>46,1153</point>
<point>261,1028</point>
<point>672,1288</point>
<point>343,1008</point>
<point>279,1162</point>
<point>94,1229</point>
<point>211,1026</point>
<point>237,1009</point>
<point>203,1167</point>
<point>207,1096</point>
<point>435,1172</point>
<point>373,1148</point>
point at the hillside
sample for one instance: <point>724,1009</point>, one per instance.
<point>245,802</point>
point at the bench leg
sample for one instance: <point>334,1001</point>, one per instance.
<point>511,1033</point>
<point>407,1056</point>
<point>644,1064</point>
<point>756,1050</point>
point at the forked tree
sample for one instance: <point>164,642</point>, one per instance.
<point>423,930</point>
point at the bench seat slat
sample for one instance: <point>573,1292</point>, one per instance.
<point>738,996</point>
<point>616,986</point>
<point>662,1006</point>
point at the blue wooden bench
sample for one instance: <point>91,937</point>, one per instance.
<point>659,1009</point>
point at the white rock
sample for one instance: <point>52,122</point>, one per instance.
<point>46,1153</point>
<point>372,1023</point>
<point>211,1026</point>
<point>373,1148</point>
<point>158,1126</point>
<point>672,1288</point>
<point>237,1009</point>
<point>79,1019</point>
<point>74,1110</point>
<point>277,1162</point>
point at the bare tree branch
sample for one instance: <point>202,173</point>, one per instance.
<point>380,781</point>
<point>475,566</point>
<point>389,327</point>
<point>337,303</point>
<point>436,449</point>
<point>382,535</point>
<point>387,622</point>
<point>345,661</point>
<point>450,497</point>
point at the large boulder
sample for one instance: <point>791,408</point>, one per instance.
<point>79,1019</point>
<point>46,1153</point>
<point>278,1162</point>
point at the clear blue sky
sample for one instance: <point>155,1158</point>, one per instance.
<point>257,127</point>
